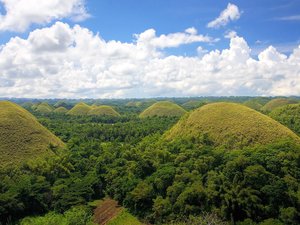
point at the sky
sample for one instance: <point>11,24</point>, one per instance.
<point>149,48</point>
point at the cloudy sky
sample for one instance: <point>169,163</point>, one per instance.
<point>149,48</point>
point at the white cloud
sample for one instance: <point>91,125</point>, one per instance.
<point>20,14</point>
<point>289,18</point>
<point>231,13</point>
<point>72,62</point>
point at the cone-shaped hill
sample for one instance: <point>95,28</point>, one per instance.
<point>163,108</point>
<point>80,109</point>
<point>22,137</point>
<point>230,125</point>
<point>193,104</point>
<point>277,102</point>
<point>60,110</point>
<point>44,108</point>
<point>103,110</point>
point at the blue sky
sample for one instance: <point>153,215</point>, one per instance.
<point>254,26</point>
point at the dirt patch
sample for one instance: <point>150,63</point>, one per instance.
<point>106,210</point>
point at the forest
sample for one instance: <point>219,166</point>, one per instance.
<point>129,159</point>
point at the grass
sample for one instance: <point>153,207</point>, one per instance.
<point>163,108</point>
<point>193,104</point>
<point>230,125</point>
<point>61,110</point>
<point>124,218</point>
<point>103,110</point>
<point>80,109</point>
<point>278,102</point>
<point>44,108</point>
<point>22,137</point>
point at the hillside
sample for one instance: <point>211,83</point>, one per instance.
<point>278,102</point>
<point>60,110</point>
<point>44,108</point>
<point>230,125</point>
<point>22,137</point>
<point>288,115</point>
<point>103,110</point>
<point>163,108</point>
<point>80,109</point>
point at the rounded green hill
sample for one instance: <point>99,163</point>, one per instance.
<point>193,104</point>
<point>103,110</point>
<point>277,102</point>
<point>22,137</point>
<point>80,109</point>
<point>253,104</point>
<point>230,125</point>
<point>288,115</point>
<point>60,110</point>
<point>163,108</point>
<point>44,108</point>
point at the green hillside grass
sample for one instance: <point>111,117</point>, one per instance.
<point>124,218</point>
<point>288,115</point>
<point>253,104</point>
<point>60,110</point>
<point>163,108</point>
<point>44,108</point>
<point>103,110</point>
<point>22,137</point>
<point>278,102</point>
<point>80,109</point>
<point>230,125</point>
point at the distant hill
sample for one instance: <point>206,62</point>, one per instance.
<point>80,109</point>
<point>60,110</point>
<point>44,108</point>
<point>230,125</point>
<point>22,137</point>
<point>163,108</point>
<point>277,102</point>
<point>103,110</point>
<point>193,104</point>
<point>288,115</point>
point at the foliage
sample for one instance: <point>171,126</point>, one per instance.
<point>103,110</point>
<point>277,102</point>
<point>124,218</point>
<point>80,109</point>
<point>60,109</point>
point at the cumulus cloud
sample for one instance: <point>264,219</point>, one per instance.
<point>72,62</point>
<point>231,13</point>
<point>20,14</point>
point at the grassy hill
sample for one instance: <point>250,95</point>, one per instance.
<point>278,102</point>
<point>44,108</point>
<point>80,109</point>
<point>22,137</point>
<point>288,115</point>
<point>103,110</point>
<point>230,125</point>
<point>163,108</point>
<point>60,110</point>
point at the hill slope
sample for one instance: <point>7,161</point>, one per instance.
<point>163,108</point>
<point>44,108</point>
<point>230,125</point>
<point>60,110</point>
<point>22,137</point>
<point>288,115</point>
<point>103,110</point>
<point>278,102</point>
<point>80,109</point>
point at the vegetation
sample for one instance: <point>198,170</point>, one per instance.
<point>163,108</point>
<point>277,102</point>
<point>161,176</point>
<point>289,116</point>
<point>80,109</point>
<point>44,108</point>
<point>22,137</point>
<point>103,110</point>
<point>193,104</point>
<point>61,110</point>
<point>230,125</point>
